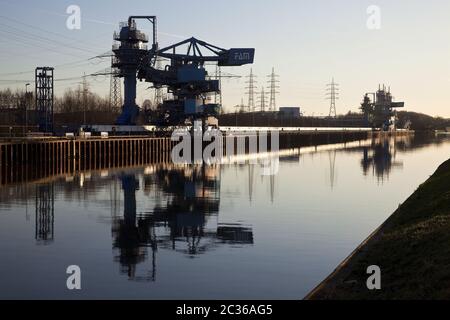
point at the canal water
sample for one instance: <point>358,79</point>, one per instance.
<point>224,231</point>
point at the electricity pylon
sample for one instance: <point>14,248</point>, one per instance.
<point>262,101</point>
<point>273,90</point>
<point>218,95</point>
<point>251,91</point>
<point>115,90</point>
<point>332,94</point>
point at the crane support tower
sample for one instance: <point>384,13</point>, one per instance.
<point>184,74</point>
<point>128,55</point>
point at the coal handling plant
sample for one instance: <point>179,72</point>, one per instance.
<point>183,75</point>
<point>380,111</point>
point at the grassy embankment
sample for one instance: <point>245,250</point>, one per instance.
<point>412,248</point>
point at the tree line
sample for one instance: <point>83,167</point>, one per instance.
<point>72,100</point>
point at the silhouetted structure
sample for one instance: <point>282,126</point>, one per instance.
<point>115,90</point>
<point>333,95</point>
<point>251,87</point>
<point>192,197</point>
<point>380,112</point>
<point>380,157</point>
<point>45,213</point>
<point>44,98</point>
<point>273,90</point>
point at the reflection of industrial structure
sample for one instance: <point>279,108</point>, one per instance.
<point>179,222</point>
<point>380,112</point>
<point>45,213</point>
<point>381,157</point>
<point>131,234</point>
<point>44,98</point>
<point>184,76</point>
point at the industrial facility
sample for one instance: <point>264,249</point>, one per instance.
<point>380,112</point>
<point>189,150</point>
<point>182,73</point>
<point>185,91</point>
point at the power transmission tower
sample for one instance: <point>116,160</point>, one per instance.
<point>115,91</point>
<point>242,106</point>
<point>218,95</point>
<point>332,94</point>
<point>262,100</point>
<point>85,96</point>
<point>158,91</point>
<point>273,90</point>
<point>251,91</point>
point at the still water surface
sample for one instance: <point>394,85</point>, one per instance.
<point>223,231</point>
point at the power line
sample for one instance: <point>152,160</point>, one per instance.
<point>34,27</point>
<point>55,80</point>
<point>73,64</point>
<point>37,37</point>
<point>25,40</point>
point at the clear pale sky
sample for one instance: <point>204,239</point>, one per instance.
<point>307,42</point>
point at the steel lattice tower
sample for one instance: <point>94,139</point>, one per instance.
<point>44,98</point>
<point>85,97</point>
<point>242,106</point>
<point>115,91</point>
<point>273,90</point>
<point>332,95</point>
<point>218,95</point>
<point>158,91</point>
<point>262,100</point>
<point>251,91</point>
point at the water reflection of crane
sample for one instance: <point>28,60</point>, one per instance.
<point>132,235</point>
<point>380,157</point>
<point>179,222</point>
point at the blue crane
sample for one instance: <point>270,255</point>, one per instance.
<point>184,76</point>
